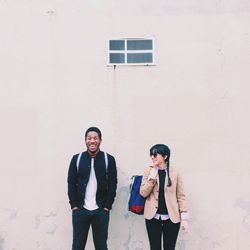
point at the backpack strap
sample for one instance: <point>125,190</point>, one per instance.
<point>106,163</point>
<point>78,161</point>
<point>105,158</point>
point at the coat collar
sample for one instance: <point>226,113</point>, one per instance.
<point>96,156</point>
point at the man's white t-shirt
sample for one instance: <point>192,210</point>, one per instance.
<point>90,194</point>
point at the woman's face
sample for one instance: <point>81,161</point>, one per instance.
<point>158,160</point>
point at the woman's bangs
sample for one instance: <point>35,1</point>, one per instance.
<point>153,151</point>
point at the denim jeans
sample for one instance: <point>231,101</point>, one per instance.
<point>82,219</point>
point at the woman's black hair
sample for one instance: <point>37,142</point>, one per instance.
<point>163,150</point>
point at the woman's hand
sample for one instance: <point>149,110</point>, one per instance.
<point>184,226</point>
<point>153,173</point>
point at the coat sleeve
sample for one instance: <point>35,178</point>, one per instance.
<point>181,196</point>
<point>112,182</point>
<point>72,183</point>
<point>147,183</point>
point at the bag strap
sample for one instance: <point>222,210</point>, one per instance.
<point>78,161</point>
<point>105,158</point>
<point>132,182</point>
<point>106,161</point>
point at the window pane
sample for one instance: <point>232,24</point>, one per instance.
<point>139,44</point>
<point>140,58</point>
<point>116,45</point>
<point>116,58</point>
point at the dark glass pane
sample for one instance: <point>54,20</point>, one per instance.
<point>116,45</point>
<point>140,57</point>
<point>116,58</point>
<point>139,44</point>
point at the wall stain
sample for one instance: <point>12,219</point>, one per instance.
<point>37,221</point>
<point>1,242</point>
<point>51,214</point>
<point>12,213</point>
<point>51,12</point>
<point>246,222</point>
<point>182,245</point>
<point>243,204</point>
<point>127,242</point>
<point>52,230</point>
<point>124,189</point>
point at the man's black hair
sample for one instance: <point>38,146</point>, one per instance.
<point>94,129</point>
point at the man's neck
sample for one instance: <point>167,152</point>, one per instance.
<point>93,154</point>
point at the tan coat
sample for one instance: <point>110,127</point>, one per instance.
<point>174,196</point>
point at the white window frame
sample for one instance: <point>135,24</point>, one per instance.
<point>125,51</point>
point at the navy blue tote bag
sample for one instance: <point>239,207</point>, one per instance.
<point>136,201</point>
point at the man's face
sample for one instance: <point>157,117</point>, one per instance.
<point>93,142</point>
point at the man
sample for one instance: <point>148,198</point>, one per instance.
<point>92,183</point>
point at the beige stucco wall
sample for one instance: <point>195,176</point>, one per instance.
<point>55,83</point>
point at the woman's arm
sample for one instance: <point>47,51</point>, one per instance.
<point>180,194</point>
<point>182,203</point>
<point>148,181</point>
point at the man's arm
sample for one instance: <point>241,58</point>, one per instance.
<point>72,183</point>
<point>112,182</point>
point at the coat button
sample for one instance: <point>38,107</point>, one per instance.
<point>156,207</point>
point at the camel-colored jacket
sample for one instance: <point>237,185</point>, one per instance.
<point>174,195</point>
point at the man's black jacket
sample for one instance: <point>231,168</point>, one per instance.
<point>78,180</point>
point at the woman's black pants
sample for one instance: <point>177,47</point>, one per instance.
<point>158,228</point>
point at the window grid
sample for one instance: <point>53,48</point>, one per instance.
<point>132,51</point>
<point>125,50</point>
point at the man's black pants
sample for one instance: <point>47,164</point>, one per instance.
<point>157,228</point>
<point>99,221</point>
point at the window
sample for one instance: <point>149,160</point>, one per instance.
<point>131,52</point>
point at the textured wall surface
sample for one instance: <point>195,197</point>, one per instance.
<point>55,83</point>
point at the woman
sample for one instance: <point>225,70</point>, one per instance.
<point>165,207</point>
